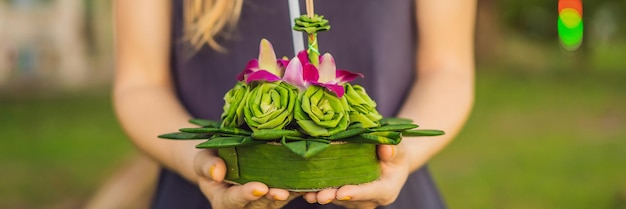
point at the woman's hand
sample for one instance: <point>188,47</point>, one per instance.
<point>384,191</point>
<point>211,171</point>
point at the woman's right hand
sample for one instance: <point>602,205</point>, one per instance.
<point>211,171</point>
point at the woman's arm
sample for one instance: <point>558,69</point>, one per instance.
<point>443,95</point>
<point>143,96</point>
<point>146,106</point>
<point>441,98</point>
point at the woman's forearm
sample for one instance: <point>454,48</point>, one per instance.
<point>439,100</point>
<point>443,94</point>
<point>147,111</point>
<point>143,96</point>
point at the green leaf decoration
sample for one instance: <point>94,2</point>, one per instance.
<point>311,25</point>
<point>179,135</point>
<point>321,113</point>
<point>234,102</point>
<point>268,134</point>
<point>424,132</point>
<point>306,149</point>
<point>394,127</point>
<point>270,106</point>
<point>347,133</point>
<point>231,158</point>
<point>312,128</point>
<point>236,131</point>
<point>279,167</point>
<point>229,141</point>
<point>394,121</point>
<point>200,130</point>
<point>377,138</point>
<point>355,125</point>
<point>362,107</point>
<point>205,123</point>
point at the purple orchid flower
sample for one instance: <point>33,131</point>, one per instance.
<point>266,67</point>
<point>301,73</point>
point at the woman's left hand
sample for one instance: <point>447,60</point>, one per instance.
<point>384,191</point>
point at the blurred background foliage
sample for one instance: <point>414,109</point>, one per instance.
<point>548,129</point>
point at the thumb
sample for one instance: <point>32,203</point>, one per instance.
<point>386,153</point>
<point>208,164</point>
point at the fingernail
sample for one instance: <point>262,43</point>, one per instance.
<point>211,169</point>
<point>257,193</point>
<point>327,201</point>
<point>345,198</point>
<point>277,198</point>
<point>393,152</point>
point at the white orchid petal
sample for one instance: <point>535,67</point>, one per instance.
<point>294,73</point>
<point>267,58</point>
<point>327,69</point>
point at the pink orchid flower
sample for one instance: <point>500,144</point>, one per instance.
<point>301,73</point>
<point>266,67</point>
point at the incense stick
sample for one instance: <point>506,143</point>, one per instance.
<point>310,9</point>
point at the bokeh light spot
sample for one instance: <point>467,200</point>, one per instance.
<point>570,24</point>
<point>570,17</point>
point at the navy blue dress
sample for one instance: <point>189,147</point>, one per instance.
<point>373,37</point>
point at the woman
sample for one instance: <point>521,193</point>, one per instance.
<point>171,67</point>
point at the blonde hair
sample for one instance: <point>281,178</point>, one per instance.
<point>204,19</point>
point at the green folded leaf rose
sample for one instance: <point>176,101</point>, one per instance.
<point>362,107</point>
<point>235,100</point>
<point>270,105</point>
<point>321,113</point>
<point>311,25</point>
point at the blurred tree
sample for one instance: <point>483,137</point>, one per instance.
<point>487,30</point>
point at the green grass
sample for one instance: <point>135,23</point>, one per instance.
<point>543,141</point>
<point>534,140</point>
<point>56,149</point>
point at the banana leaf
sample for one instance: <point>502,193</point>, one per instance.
<point>377,138</point>
<point>347,133</point>
<point>394,127</point>
<point>424,132</point>
<point>274,165</point>
<point>274,134</point>
<point>307,148</point>
<point>393,121</point>
<point>229,141</point>
<point>355,125</point>
<point>205,123</point>
<point>237,131</point>
<point>180,135</point>
<point>200,130</point>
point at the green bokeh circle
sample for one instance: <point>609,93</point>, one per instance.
<point>571,37</point>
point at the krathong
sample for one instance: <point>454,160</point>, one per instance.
<point>298,123</point>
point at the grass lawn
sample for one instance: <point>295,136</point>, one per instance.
<point>57,148</point>
<point>543,141</point>
<point>534,141</point>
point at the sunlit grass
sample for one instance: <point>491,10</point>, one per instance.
<point>548,141</point>
<point>56,149</point>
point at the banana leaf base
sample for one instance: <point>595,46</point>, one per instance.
<point>278,167</point>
